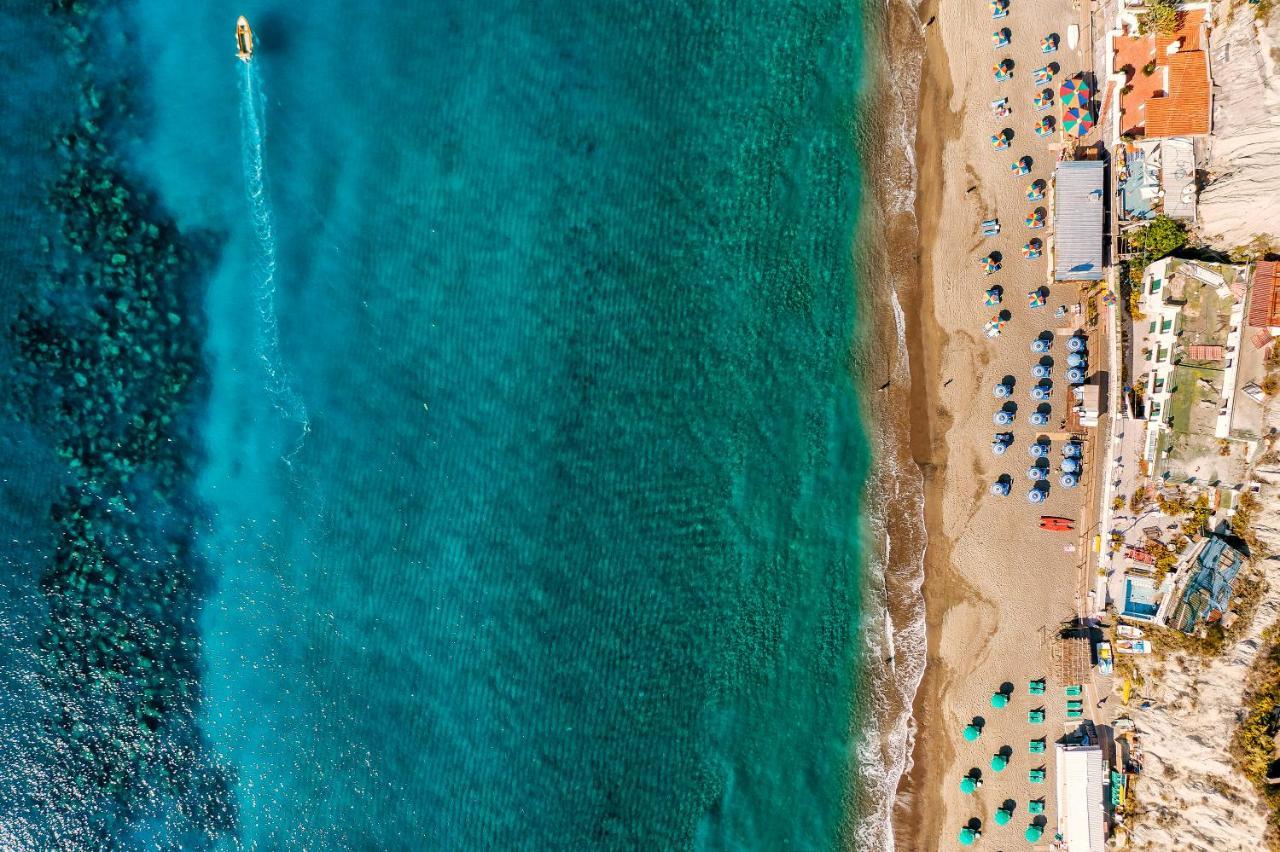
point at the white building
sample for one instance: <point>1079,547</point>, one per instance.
<point>1083,781</point>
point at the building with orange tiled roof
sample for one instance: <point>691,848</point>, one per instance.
<point>1264,298</point>
<point>1176,98</point>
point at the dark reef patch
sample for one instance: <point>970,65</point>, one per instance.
<point>107,346</point>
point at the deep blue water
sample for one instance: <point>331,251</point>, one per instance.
<point>531,464</point>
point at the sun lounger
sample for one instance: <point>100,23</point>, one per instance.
<point>1074,689</point>
<point>1035,717</point>
<point>1075,714</point>
<point>1037,746</point>
<point>1036,776</point>
<point>1035,806</point>
<point>1036,687</point>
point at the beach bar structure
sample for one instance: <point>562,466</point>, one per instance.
<point>1082,776</point>
<point>1078,218</point>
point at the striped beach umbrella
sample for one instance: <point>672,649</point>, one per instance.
<point>1022,166</point>
<point>1077,121</point>
<point>1035,190</point>
<point>1074,91</point>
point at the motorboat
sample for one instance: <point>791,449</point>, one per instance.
<point>244,39</point>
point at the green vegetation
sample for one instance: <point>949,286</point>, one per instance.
<point>1139,501</point>
<point>1195,523</point>
<point>1246,510</point>
<point>1149,68</point>
<point>1161,17</point>
<point>1162,236</point>
<point>1253,745</point>
<point>1166,560</point>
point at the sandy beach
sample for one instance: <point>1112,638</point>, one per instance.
<point>988,565</point>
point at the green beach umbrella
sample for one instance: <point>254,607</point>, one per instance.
<point>999,762</point>
<point>1033,833</point>
<point>968,836</point>
<point>1003,816</point>
<point>968,785</point>
<point>972,732</point>
<point>999,699</point>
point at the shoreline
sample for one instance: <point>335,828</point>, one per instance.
<point>914,823</point>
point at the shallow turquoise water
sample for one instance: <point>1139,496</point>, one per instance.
<point>535,522</point>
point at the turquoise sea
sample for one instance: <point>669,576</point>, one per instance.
<point>525,462</point>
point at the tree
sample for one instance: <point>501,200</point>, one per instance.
<point>1161,237</point>
<point>1161,17</point>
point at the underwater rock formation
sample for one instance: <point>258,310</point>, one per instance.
<point>109,372</point>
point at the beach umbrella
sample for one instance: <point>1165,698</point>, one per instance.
<point>1074,91</point>
<point>1067,480</point>
<point>968,785</point>
<point>1035,495</point>
<point>1035,299</point>
<point>1045,127</point>
<point>1003,816</point>
<point>999,699</point>
<point>1038,418</point>
<point>1040,393</point>
<point>1000,37</point>
<point>1000,489</point>
<point>1075,343</point>
<point>993,297</point>
<point>1035,473</point>
<point>1002,391</point>
<point>1070,465</point>
<point>1035,191</point>
<point>1074,359</point>
<point>1049,43</point>
<point>1071,450</point>
<point>998,448</point>
<point>1022,166</point>
<point>968,836</point>
<point>999,762</point>
<point>1002,418</point>
<point>1033,833</point>
<point>989,264</point>
<point>972,732</point>
<point>1075,376</point>
<point>999,142</point>
<point>1041,371</point>
<point>1077,121</point>
<point>1038,450</point>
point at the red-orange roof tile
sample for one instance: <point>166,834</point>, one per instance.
<point>1264,301</point>
<point>1185,110</point>
<point>1187,33</point>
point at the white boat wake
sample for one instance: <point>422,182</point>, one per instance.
<point>252,139</point>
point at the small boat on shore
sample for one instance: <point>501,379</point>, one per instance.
<point>1105,663</point>
<point>1055,523</point>
<point>244,39</point>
